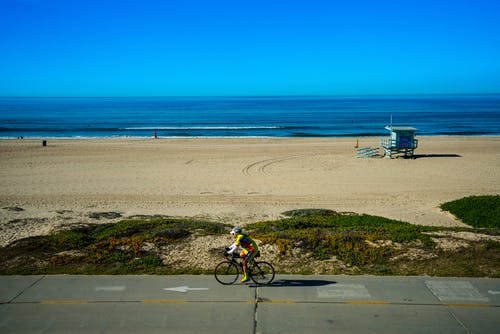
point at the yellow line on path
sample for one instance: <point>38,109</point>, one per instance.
<point>164,301</point>
<point>260,301</point>
<point>277,301</point>
<point>366,303</point>
<point>467,305</point>
<point>55,302</point>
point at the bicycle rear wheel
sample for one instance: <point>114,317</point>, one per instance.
<point>262,273</point>
<point>226,272</point>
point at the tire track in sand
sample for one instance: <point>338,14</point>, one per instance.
<point>261,165</point>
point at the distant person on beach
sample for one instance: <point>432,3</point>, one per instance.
<point>250,249</point>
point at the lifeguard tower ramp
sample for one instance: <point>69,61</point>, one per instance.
<point>401,141</point>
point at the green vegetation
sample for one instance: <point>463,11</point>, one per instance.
<point>376,245</point>
<point>480,259</point>
<point>476,211</point>
<point>356,240</point>
<point>309,212</point>
<point>129,247</point>
<point>308,241</point>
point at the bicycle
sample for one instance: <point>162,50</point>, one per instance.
<point>228,271</point>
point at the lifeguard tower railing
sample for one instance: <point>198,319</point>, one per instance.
<point>401,141</point>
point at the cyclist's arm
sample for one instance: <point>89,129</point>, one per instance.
<point>232,248</point>
<point>235,245</point>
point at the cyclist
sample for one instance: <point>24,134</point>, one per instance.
<point>250,249</point>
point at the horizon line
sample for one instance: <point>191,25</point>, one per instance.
<point>245,96</point>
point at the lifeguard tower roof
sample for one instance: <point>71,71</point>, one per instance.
<point>400,128</point>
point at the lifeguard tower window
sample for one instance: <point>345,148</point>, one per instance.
<point>401,141</point>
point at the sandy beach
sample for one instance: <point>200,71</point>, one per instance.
<point>234,180</point>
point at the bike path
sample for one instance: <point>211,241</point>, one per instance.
<point>291,304</point>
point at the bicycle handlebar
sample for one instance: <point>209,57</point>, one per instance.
<point>233,255</point>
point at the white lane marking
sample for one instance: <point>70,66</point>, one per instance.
<point>493,292</point>
<point>455,291</point>
<point>110,288</point>
<point>343,291</point>
<point>184,289</point>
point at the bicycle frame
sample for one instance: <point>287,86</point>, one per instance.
<point>234,256</point>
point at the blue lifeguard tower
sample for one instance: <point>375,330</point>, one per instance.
<point>401,141</point>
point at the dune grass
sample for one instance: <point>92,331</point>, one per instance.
<point>377,245</point>
<point>131,246</point>
<point>363,244</point>
<point>363,241</point>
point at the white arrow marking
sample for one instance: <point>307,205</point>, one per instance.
<point>184,289</point>
<point>110,288</point>
<point>493,292</point>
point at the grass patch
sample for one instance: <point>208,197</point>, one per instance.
<point>105,215</point>
<point>476,211</point>
<point>127,247</point>
<point>380,246</point>
<point>309,212</point>
<point>480,259</point>
<point>354,239</point>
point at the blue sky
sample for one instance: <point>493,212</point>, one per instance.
<point>179,48</point>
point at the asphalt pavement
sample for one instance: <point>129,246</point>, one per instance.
<point>291,304</point>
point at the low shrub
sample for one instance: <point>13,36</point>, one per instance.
<point>129,246</point>
<point>309,212</point>
<point>476,211</point>
<point>342,235</point>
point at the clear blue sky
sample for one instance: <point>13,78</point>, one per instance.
<point>238,47</point>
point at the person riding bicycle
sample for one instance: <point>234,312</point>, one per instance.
<point>250,249</point>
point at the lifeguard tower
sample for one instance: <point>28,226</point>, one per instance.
<point>401,141</point>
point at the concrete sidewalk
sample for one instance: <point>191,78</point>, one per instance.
<point>291,304</point>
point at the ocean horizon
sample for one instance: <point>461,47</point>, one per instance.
<point>240,116</point>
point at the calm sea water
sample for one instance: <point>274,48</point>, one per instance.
<point>248,117</point>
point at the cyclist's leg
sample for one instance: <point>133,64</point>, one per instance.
<point>251,256</point>
<point>249,259</point>
<point>245,255</point>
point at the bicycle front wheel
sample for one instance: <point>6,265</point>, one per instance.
<point>226,272</point>
<point>262,273</point>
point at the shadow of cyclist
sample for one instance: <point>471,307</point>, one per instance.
<point>299,283</point>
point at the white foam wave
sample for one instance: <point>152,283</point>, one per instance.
<point>201,127</point>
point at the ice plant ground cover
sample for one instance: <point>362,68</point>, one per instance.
<point>307,241</point>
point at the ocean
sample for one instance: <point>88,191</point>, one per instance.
<point>342,116</point>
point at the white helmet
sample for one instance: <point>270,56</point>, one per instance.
<point>236,230</point>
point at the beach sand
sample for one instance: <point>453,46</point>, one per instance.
<point>234,181</point>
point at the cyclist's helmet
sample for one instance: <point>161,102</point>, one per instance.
<point>236,230</point>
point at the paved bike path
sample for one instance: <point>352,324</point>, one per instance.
<point>291,304</point>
